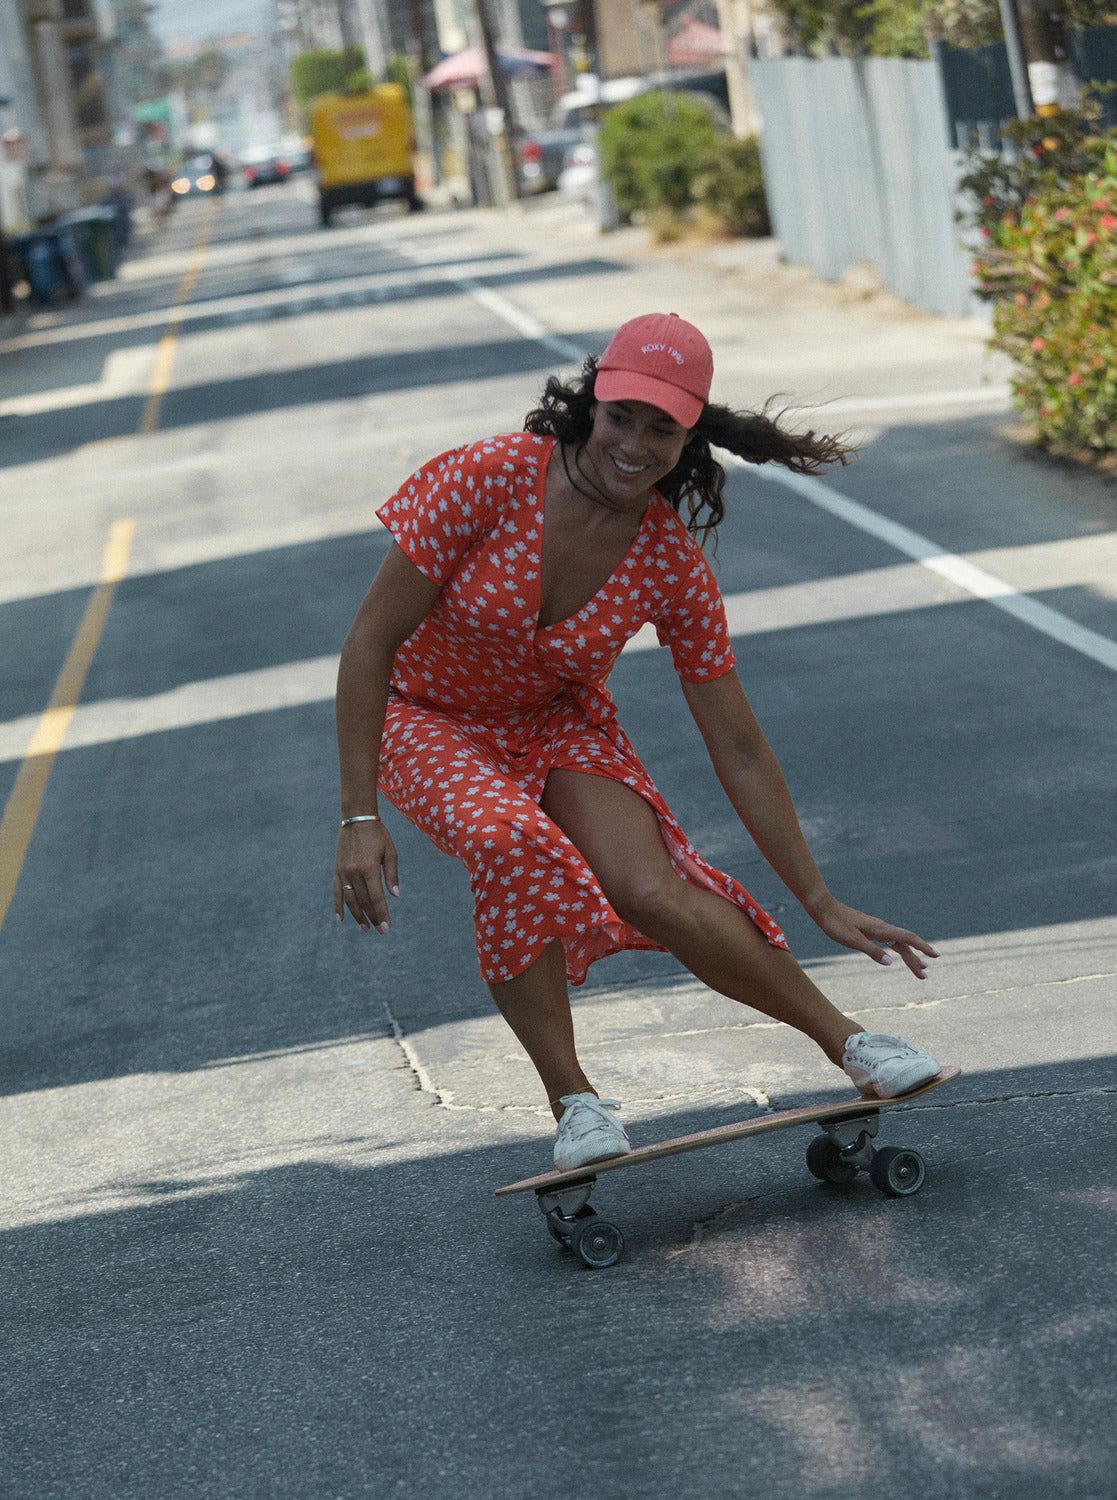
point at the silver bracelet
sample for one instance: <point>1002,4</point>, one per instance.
<point>361,818</point>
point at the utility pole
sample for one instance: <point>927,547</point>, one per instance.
<point>494,94</point>
<point>735,25</point>
<point>1017,59</point>
<point>1051,77</point>
<point>420,99</point>
<point>371,18</point>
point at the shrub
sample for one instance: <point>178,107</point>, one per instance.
<point>315,73</point>
<point>654,147</point>
<point>732,187</point>
<point>1047,259</point>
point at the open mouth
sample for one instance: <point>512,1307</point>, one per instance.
<point>629,469</point>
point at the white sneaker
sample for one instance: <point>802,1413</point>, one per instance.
<point>887,1066</point>
<point>587,1132</point>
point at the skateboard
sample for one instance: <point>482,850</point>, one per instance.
<point>843,1147</point>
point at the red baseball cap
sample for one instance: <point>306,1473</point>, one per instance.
<point>661,359</point>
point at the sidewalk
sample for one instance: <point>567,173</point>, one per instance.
<point>775,328</point>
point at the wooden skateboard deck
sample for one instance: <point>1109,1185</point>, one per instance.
<point>837,1154</point>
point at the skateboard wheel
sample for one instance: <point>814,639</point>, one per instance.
<point>897,1171</point>
<point>597,1242</point>
<point>824,1161</point>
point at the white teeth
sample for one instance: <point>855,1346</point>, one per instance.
<point>628,468</point>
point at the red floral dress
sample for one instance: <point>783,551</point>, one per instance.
<point>484,703</point>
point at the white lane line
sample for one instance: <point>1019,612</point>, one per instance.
<point>1041,617</point>
<point>292,685</point>
<point>521,321</point>
<point>300,683</point>
<point>940,578</point>
<point>297,684</point>
<point>976,581</point>
<point>249,304</point>
<point>531,328</point>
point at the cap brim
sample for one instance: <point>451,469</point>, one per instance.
<point>626,385</point>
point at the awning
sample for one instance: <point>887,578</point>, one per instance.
<point>464,70</point>
<point>695,45</point>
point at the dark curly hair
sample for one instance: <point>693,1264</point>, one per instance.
<point>565,412</point>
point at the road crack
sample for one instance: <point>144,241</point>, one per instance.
<point>444,1098</point>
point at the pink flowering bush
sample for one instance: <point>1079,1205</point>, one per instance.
<point>1047,259</point>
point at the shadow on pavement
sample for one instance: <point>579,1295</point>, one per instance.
<point>381,1325</point>
<point>48,434</point>
<point>197,921</point>
<point>44,367</point>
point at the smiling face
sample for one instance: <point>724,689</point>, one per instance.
<point>631,447</point>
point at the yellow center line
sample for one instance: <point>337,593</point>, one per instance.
<point>22,810</point>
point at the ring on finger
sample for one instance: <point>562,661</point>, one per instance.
<point>347,887</point>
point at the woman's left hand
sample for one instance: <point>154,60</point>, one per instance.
<point>854,929</point>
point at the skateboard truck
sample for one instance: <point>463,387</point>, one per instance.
<point>854,1138</point>
<point>572,1222</point>
<point>845,1147</point>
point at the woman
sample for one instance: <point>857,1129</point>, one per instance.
<point>471,692</point>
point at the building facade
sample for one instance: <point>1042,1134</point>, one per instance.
<point>71,72</point>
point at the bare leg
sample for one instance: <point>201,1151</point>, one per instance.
<point>536,1004</point>
<point>618,834</point>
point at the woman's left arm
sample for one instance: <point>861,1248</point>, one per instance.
<point>748,770</point>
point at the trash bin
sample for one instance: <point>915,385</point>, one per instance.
<point>43,267</point>
<point>52,264</point>
<point>93,230</point>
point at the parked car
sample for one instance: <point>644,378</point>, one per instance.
<point>260,165</point>
<point>300,159</point>
<point>544,154</point>
<point>578,178</point>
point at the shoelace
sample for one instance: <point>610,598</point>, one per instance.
<point>896,1046</point>
<point>596,1108</point>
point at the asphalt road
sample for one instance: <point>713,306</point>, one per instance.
<point>249,1241</point>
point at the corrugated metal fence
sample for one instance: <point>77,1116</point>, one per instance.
<point>857,168</point>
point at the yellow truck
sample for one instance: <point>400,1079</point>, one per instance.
<point>364,148</point>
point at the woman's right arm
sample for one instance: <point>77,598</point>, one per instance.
<point>396,605</point>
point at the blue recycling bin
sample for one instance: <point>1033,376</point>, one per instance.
<point>43,267</point>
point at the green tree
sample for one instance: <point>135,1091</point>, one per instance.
<point>731,187</point>
<point>328,72</point>
<point>828,26</point>
<point>902,28</point>
<point>653,149</point>
<point>1046,257</point>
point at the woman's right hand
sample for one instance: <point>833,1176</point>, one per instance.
<point>365,854</point>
